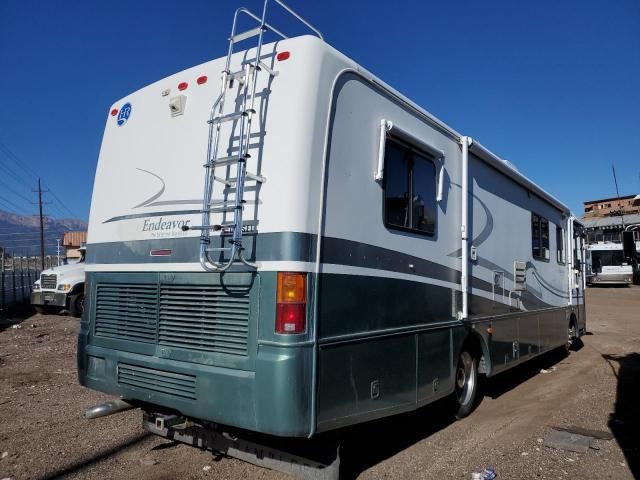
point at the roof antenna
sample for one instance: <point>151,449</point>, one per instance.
<point>621,210</point>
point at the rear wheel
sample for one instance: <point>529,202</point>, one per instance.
<point>466,384</point>
<point>572,334</point>
<point>76,305</point>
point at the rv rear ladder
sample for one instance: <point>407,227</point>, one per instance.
<point>242,120</point>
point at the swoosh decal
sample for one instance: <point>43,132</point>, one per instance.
<point>153,197</point>
<point>486,230</point>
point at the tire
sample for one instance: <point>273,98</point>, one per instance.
<point>466,384</point>
<point>47,309</point>
<point>76,305</point>
<point>572,335</point>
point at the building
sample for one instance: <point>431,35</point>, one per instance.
<point>609,229</point>
<point>612,206</point>
<point>72,241</point>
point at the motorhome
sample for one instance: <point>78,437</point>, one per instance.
<point>296,247</point>
<point>607,265</point>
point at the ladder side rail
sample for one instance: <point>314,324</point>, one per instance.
<point>245,138</point>
<point>298,17</point>
<point>212,152</point>
<point>245,124</point>
<point>257,19</point>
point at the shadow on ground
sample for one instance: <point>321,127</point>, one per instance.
<point>624,422</point>
<point>15,315</point>
<point>373,442</point>
<point>95,458</point>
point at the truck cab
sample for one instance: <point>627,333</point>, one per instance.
<point>61,288</point>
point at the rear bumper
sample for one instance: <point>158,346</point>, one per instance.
<point>274,399</point>
<point>54,299</point>
<point>611,279</point>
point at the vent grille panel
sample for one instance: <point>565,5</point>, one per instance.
<point>168,383</point>
<point>126,312</point>
<point>204,318</point>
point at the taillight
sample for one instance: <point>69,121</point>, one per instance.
<point>291,306</point>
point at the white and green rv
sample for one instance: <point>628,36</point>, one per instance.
<point>280,244</point>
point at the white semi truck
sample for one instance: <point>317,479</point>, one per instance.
<point>61,288</point>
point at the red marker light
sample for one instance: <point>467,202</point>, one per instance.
<point>183,86</point>
<point>283,56</point>
<point>291,303</point>
<point>201,80</point>
<point>114,112</point>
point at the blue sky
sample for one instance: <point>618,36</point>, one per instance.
<point>554,87</point>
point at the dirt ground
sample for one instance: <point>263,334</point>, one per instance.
<point>43,434</point>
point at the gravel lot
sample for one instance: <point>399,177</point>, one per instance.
<point>43,434</point>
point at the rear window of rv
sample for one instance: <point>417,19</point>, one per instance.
<point>409,189</point>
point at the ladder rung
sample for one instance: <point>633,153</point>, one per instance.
<point>266,68</point>
<point>231,223</point>
<point>255,177</point>
<point>230,160</point>
<point>248,34</point>
<point>222,209</point>
<point>228,182</point>
<point>238,74</point>
<point>219,249</point>
<point>186,228</point>
<point>231,116</point>
<point>250,176</point>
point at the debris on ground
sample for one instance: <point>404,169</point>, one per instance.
<point>552,369</point>
<point>206,468</point>
<point>148,461</point>
<point>488,474</point>
<point>599,434</point>
<point>572,442</point>
<point>17,326</point>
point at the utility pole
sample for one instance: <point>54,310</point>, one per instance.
<point>58,250</point>
<point>41,226</point>
<point>615,180</point>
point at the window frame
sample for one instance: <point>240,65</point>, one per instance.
<point>533,255</point>
<point>563,260</point>
<point>427,157</point>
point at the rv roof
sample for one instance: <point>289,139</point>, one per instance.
<point>485,154</point>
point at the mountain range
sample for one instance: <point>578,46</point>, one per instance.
<point>20,234</point>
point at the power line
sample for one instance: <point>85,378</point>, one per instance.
<point>26,240</point>
<point>14,174</point>
<point>49,229</point>
<point>14,192</point>
<point>30,173</point>
<point>7,151</point>
<point>11,205</point>
<point>62,203</point>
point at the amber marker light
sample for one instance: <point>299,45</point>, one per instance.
<point>291,303</point>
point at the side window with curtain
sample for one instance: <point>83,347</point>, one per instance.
<point>560,245</point>
<point>409,189</point>
<point>539,237</point>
